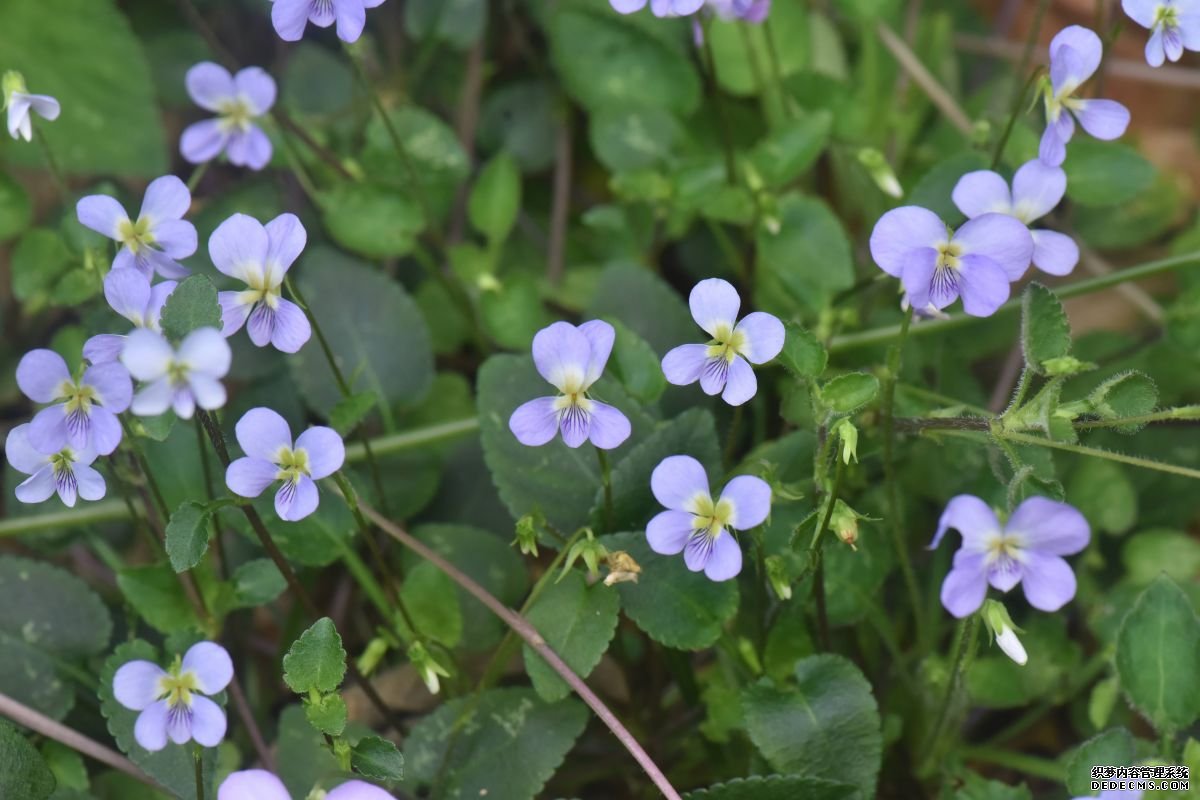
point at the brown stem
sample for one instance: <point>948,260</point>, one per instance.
<point>534,639</point>
<point>246,714</point>
<point>40,723</point>
<point>467,123</point>
<point>560,211</point>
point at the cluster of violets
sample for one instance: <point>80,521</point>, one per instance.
<point>176,705</point>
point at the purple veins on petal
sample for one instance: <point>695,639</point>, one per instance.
<point>291,16</point>
<point>157,238</point>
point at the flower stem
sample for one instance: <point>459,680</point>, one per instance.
<point>714,91</point>
<point>816,554</point>
<point>197,174</point>
<point>198,760</point>
<point>606,480</point>
<point>896,521</point>
<point>961,655</point>
<point>52,165</point>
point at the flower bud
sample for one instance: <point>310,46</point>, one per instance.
<point>880,171</point>
<point>621,568</point>
<point>427,666</point>
<point>996,617</point>
<point>590,550</point>
<point>846,431</point>
<point>527,537</point>
<point>376,649</point>
<point>779,577</point>
<point>844,523</point>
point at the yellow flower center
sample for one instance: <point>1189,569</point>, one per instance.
<point>176,686</point>
<point>292,464</point>
<point>135,235</point>
<point>263,286</point>
<point>949,254</point>
<point>79,398</point>
<point>1167,17</point>
<point>1004,547</point>
<point>235,114</point>
<point>726,343</point>
<point>710,517</point>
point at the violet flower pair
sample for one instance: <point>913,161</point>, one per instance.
<point>258,784</point>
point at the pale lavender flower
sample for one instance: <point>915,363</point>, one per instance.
<point>271,456</point>
<point>180,379</point>
<point>130,294</point>
<point>753,11</point>
<point>158,238</point>
<point>1028,549</point>
<point>936,265</point>
<point>67,472</point>
<point>723,364</point>
<point>238,100</point>
<point>695,524</point>
<point>172,702</point>
<point>84,414</point>
<point>1036,190</point>
<point>571,359</point>
<point>1074,57</point>
<point>1174,26</point>
<point>20,103</point>
<point>291,16</point>
<point>258,784</point>
<point>260,256</point>
<point>660,8</point>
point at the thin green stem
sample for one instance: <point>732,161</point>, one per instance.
<point>776,69</point>
<point>714,90</point>
<point>816,553</point>
<point>140,459</point>
<point>196,176</point>
<point>1083,450</point>
<point>198,760</point>
<point>302,176</point>
<point>1030,765</point>
<point>60,182</point>
<point>606,480</point>
<point>1178,414</point>
<point>885,334</point>
<point>962,654</point>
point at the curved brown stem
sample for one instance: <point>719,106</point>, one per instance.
<point>534,639</point>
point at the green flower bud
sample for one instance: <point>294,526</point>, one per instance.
<point>779,576</point>
<point>996,617</point>
<point>427,666</point>
<point>376,649</point>
<point>12,81</point>
<point>527,537</point>
<point>846,431</point>
<point>880,171</point>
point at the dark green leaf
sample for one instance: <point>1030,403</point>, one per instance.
<point>1151,553</point>
<point>521,118</point>
<point>513,313</point>
<point>803,354</point>
<point>433,157</point>
<point>786,154</point>
<point>15,210</point>
<point>631,137</point>
<point>432,603</point>
<point>1105,173</point>
<point>371,219</point>
<point>1045,331</point>
<point>777,787</point>
<point>1158,649</point>
<point>1128,394</point>
<point>192,305</point>
<point>1104,495</point>
<point>809,255</point>
<point>496,198</point>
<point>458,23</point>
<point>51,609</point>
<point>933,189</point>
<point>25,774</point>
<point>378,759</point>
<point>155,593</point>
<point>635,364</point>
<point>847,393</point>
<point>302,757</point>
<point>316,660</point>
<point>257,582</point>
<point>1111,748</point>
<point>640,299</point>
<point>350,411</point>
<point>747,56</point>
<point>577,621</point>
<point>188,532</point>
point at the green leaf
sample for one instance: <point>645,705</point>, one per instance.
<point>747,56</point>
<point>847,393</point>
<point>995,681</point>
<point>31,677</point>
<point>513,313</point>
<point>635,364</point>
<point>432,603</point>
<point>458,23</point>
<point>827,727</point>
<point>155,593</point>
<point>315,661</point>
<point>1128,394</point>
<point>674,606</point>
<point>192,305</point>
<point>257,582</point>
<point>645,303</point>
<point>374,328</point>
<point>350,411</point>
<point>803,354</point>
<point>316,81</point>
<point>508,746</point>
<point>809,256</point>
<point>172,766</point>
<point>1045,331</point>
<point>315,541</point>
<point>434,159</point>
<point>976,787</point>
<point>1113,747</point>
<point>1152,553</point>
<point>630,138</point>
<point>25,774</point>
<point>187,535</point>
<point>41,265</point>
<point>16,213</point>
<point>559,480</point>
<point>1105,173</point>
<point>692,433</point>
<point>521,118</point>
<point>90,60</point>
<point>51,609</point>
<point>371,219</point>
<point>495,198</point>
<point>378,759</point>
<point>608,61</point>
<point>777,787</point>
<point>577,621</point>
<point>327,714</point>
<point>1104,494</point>
<point>67,766</point>
<point>787,153</point>
<point>1158,648</point>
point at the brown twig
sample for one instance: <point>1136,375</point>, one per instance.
<point>921,76</point>
<point>40,723</point>
<point>466,124</point>
<point>560,211</point>
<point>246,714</point>
<point>534,639</point>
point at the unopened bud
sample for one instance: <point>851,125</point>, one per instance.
<point>487,282</point>
<point>846,431</point>
<point>880,171</point>
<point>844,522</point>
<point>427,667</point>
<point>527,537</point>
<point>621,568</point>
<point>370,658</point>
<point>996,617</point>
<point>779,577</point>
<point>590,550</point>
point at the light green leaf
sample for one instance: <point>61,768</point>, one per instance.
<point>15,210</point>
<point>577,621</point>
<point>192,305</point>
<point>374,328</point>
<point>1104,494</point>
<point>509,745</point>
<point>847,393</point>
<point>350,411</point>
<point>1154,552</point>
<point>1105,173</point>
<point>635,364</point>
<point>495,198</point>
<point>1045,331</point>
<point>787,153</point>
<point>316,660</point>
<point>1111,748</point>
<point>327,714</point>
<point>43,269</point>
<point>90,60</point>
<point>810,254</point>
<point>377,759</point>
<point>513,313</point>
<point>257,582</point>
<point>827,727</point>
<point>803,354</point>
<point>372,219</point>
<point>777,787</point>
<point>1128,394</point>
<point>745,64</point>
<point>1158,649</point>
<point>188,532</point>
<point>25,774</point>
<point>303,759</point>
<point>432,602</point>
<point>155,593</point>
<point>674,606</point>
<point>631,137</point>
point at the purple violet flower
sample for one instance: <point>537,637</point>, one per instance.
<point>84,414</point>
<point>130,294</point>
<point>571,359</point>
<point>67,472</point>
<point>660,8</point>
<point>237,100</point>
<point>271,456</point>
<point>290,16</point>
<point>181,379</point>
<point>1174,26</point>
<point>172,702</point>
<point>723,364</point>
<point>1036,190</point>
<point>695,524</point>
<point>258,784</point>
<point>20,102</point>
<point>1028,549</point>
<point>936,265</point>
<point>753,11</point>
<point>160,235</point>
<point>1074,57</point>
<point>260,256</point>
